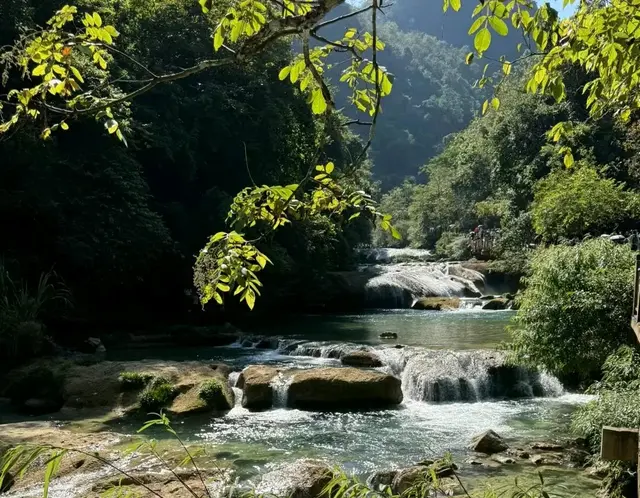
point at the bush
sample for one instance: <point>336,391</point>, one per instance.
<point>213,394</point>
<point>158,394</point>
<point>570,204</point>
<point>575,310</point>
<point>453,245</point>
<point>130,381</point>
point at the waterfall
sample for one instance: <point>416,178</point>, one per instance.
<point>446,376</point>
<point>320,349</point>
<point>386,255</point>
<point>280,386</point>
<point>399,285</point>
<point>233,378</point>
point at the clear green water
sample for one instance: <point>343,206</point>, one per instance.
<point>364,442</point>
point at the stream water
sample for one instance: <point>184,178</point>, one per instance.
<point>448,395</point>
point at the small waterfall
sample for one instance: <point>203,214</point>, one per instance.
<point>280,386</point>
<point>320,349</point>
<point>446,376</point>
<point>399,285</point>
<point>386,255</point>
<point>233,378</point>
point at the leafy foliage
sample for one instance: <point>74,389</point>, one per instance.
<point>131,381</point>
<point>212,393</point>
<point>571,203</point>
<point>574,311</point>
<point>157,395</point>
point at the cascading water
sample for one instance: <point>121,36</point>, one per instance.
<point>319,349</point>
<point>444,376</point>
<point>280,386</point>
<point>386,255</point>
<point>399,285</point>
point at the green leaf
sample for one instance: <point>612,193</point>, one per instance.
<point>40,70</point>
<point>218,39</point>
<point>318,104</point>
<point>455,4</point>
<point>506,68</point>
<point>568,159</point>
<point>477,24</point>
<point>64,126</point>
<point>111,125</point>
<point>482,40</point>
<point>499,26</point>
<point>329,168</point>
<point>262,261</point>
<point>485,107</point>
<point>495,103</point>
<point>250,297</point>
<point>469,59</point>
<point>284,72</point>
<point>77,74</point>
<point>395,234</point>
<point>97,20</point>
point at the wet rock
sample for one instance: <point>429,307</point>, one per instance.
<point>489,443</point>
<point>388,335</point>
<point>41,406</point>
<point>222,369</point>
<point>93,345</point>
<point>267,343</point>
<point>546,446</point>
<point>546,459</point>
<point>255,382</point>
<point>519,453</point>
<point>437,303</point>
<point>503,459</point>
<point>343,388</point>
<point>576,457</point>
<point>399,346</point>
<point>382,478</point>
<point>365,359</point>
<point>406,478</point>
<point>300,479</point>
<point>210,396</point>
<point>495,304</point>
<point>473,461</point>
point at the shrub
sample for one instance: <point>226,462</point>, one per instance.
<point>213,394</point>
<point>453,245</point>
<point>158,394</point>
<point>572,203</point>
<point>575,310</point>
<point>130,381</point>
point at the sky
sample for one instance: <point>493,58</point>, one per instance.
<point>564,12</point>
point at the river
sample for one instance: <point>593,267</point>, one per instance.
<point>450,349</point>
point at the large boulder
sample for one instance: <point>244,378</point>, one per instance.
<point>300,479</point>
<point>212,395</point>
<point>343,388</point>
<point>437,303</point>
<point>496,304</point>
<point>255,382</point>
<point>489,443</point>
<point>364,359</point>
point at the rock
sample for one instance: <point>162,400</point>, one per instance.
<point>388,335</point>
<point>222,369</point>
<point>195,400</point>
<point>489,443</point>
<point>546,459</point>
<point>382,478</point>
<point>495,304</point>
<point>41,406</point>
<point>343,388</point>
<point>300,479</point>
<point>406,478</point>
<point>399,346</point>
<point>437,303</point>
<point>361,359</point>
<point>503,459</point>
<point>473,461</point>
<point>92,345</point>
<point>519,453</point>
<point>488,298</point>
<point>546,446</point>
<point>509,297</point>
<point>267,343</point>
<point>576,457</point>
<point>255,382</point>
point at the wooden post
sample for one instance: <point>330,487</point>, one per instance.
<point>621,444</point>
